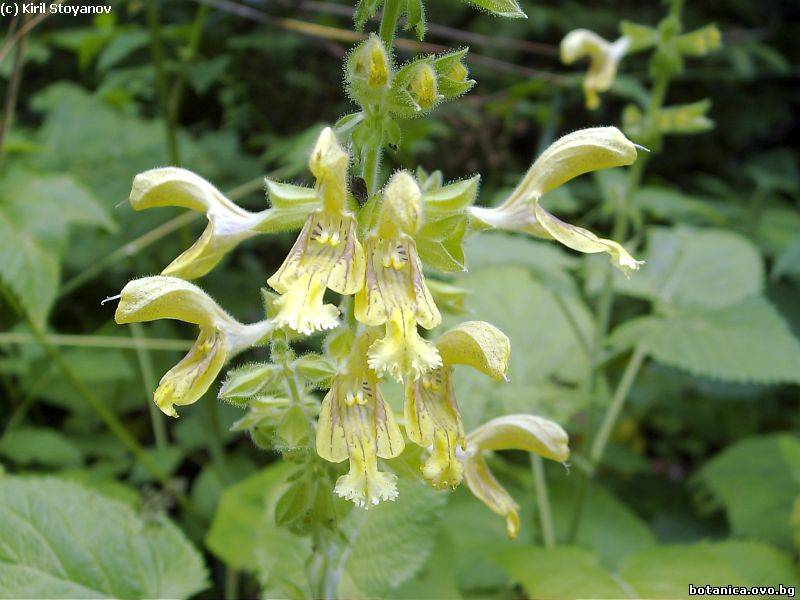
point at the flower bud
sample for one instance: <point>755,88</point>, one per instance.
<point>700,41</point>
<point>369,64</point>
<point>423,86</point>
<point>452,73</point>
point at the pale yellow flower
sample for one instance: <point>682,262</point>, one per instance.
<point>604,58</point>
<point>432,415</point>
<point>511,432</point>
<point>568,157</point>
<point>395,293</point>
<point>228,223</point>
<point>356,423</point>
<point>327,253</point>
<point>221,336</point>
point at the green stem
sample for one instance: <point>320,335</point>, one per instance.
<point>12,91</point>
<point>543,502</point>
<point>370,168</point>
<point>190,54</point>
<point>391,13</point>
<point>231,584</point>
<point>157,53</point>
<point>617,402</point>
<point>149,380</point>
<point>215,439</point>
<point>95,341</point>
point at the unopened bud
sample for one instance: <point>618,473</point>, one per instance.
<point>423,86</point>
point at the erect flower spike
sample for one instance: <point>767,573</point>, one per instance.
<point>568,157</point>
<point>511,432</point>
<point>355,423</point>
<point>327,253</point>
<point>431,411</point>
<point>604,58</point>
<point>395,293</point>
<point>228,223</point>
<point>221,336</point>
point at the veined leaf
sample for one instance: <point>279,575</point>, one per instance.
<point>60,540</point>
<point>37,445</point>
<point>746,342</point>
<point>685,266</point>
<point>391,541</point>
<point>501,8</point>
<point>757,481</point>
<point>657,572</point>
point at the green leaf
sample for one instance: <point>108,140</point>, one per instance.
<point>234,535</point>
<point>657,572</point>
<point>501,8</point>
<point>747,342</point>
<point>757,481</point>
<point>608,527</point>
<point>710,268</point>
<point>391,541</point>
<point>61,540</point>
<point>122,45</point>
<point>559,573</point>
<point>666,572</point>
<point>35,212</point>
<point>543,344</point>
<point>669,204</point>
<point>37,445</point>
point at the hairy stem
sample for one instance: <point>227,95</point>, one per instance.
<point>391,13</point>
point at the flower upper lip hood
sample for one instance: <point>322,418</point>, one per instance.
<point>221,336</point>
<point>568,157</point>
<point>511,432</point>
<point>228,223</point>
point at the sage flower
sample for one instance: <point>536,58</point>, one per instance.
<point>568,157</point>
<point>355,423</point>
<point>431,412</point>
<point>221,336</point>
<point>327,253</point>
<point>511,432</point>
<point>604,58</point>
<point>228,223</point>
<point>394,292</point>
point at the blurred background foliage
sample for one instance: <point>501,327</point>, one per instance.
<point>701,482</point>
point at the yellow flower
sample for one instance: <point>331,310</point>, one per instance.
<point>355,423</point>
<point>327,253</point>
<point>228,223</point>
<point>395,293</point>
<point>511,432</point>
<point>431,411</point>
<point>221,336</point>
<point>568,157</point>
<point>604,59</point>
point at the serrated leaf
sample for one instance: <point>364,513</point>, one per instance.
<point>685,266</point>
<point>391,541</point>
<point>757,481</point>
<point>61,540</point>
<point>657,572</point>
<point>746,342</point>
<point>37,445</point>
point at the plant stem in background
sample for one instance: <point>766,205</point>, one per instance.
<point>189,54</point>
<point>101,410</point>
<point>12,89</point>
<point>149,380</point>
<point>543,501</point>
<point>95,341</point>
<point>157,52</point>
